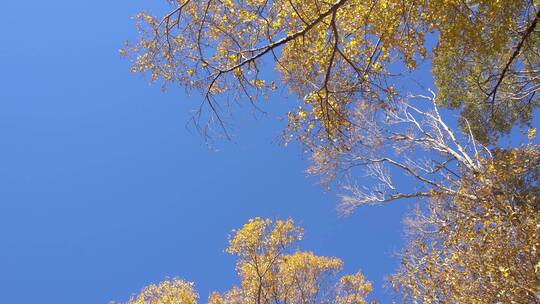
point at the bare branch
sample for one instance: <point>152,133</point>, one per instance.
<point>419,132</point>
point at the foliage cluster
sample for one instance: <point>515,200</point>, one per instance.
<point>270,272</point>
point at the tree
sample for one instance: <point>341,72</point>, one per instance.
<point>346,62</point>
<point>480,248</point>
<point>333,55</point>
<point>270,272</point>
<point>349,65</point>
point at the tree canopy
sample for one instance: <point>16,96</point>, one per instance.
<point>352,67</point>
<point>481,248</point>
<point>270,271</point>
<point>334,55</point>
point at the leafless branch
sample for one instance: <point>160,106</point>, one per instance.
<point>417,131</point>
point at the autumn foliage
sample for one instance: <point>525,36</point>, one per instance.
<point>270,271</point>
<point>483,248</point>
<point>351,66</point>
<point>334,54</point>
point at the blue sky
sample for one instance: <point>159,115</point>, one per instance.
<point>103,189</point>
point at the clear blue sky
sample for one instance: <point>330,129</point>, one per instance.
<point>103,190</point>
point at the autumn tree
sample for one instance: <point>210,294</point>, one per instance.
<point>482,247</point>
<point>350,64</point>
<point>332,55</point>
<point>270,271</point>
